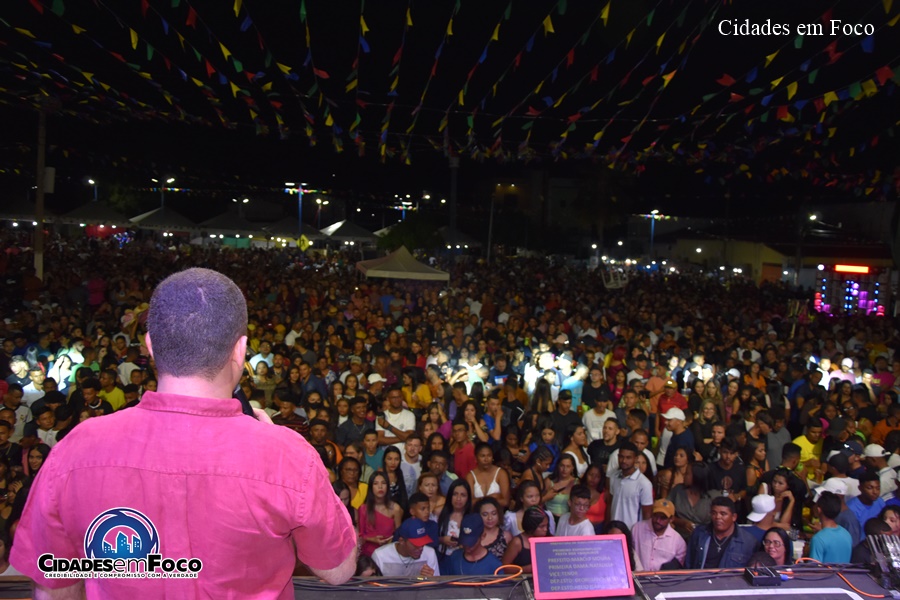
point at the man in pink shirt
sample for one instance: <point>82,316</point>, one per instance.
<point>163,490</point>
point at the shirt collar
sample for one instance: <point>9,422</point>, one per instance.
<point>191,405</point>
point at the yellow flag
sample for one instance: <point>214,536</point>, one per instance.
<point>776,82</point>
<point>852,151</point>
<point>675,146</point>
<point>832,131</point>
<point>329,121</point>
<point>225,51</point>
<point>351,85</point>
<point>234,89</point>
<point>88,76</point>
<point>496,35</point>
<point>598,135</point>
<point>134,39</point>
<point>237,7</point>
<point>450,26</point>
<point>628,37</point>
<point>893,21</point>
<point>887,6</point>
<point>869,87</point>
<point>78,29</point>
<point>267,87</point>
<point>408,18</point>
<point>25,32</point>
<point>771,57</point>
<point>604,14</point>
<point>253,114</point>
<point>537,90</point>
<point>461,99</point>
<point>362,25</point>
<point>497,122</point>
<point>558,102</point>
<point>284,68</point>
<point>829,97</point>
<point>659,42</point>
<point>548,26</point>
<point>395,82</point>
<point>791,89</point>
<point>197,82</point>
<point>668,77</point>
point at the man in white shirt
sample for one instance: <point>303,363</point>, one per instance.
<point>265,354</point>
<point>595,418</point>
<point>632,493</point>
<point>411,465</point>
<point>409,556</point>
<point>397,424</point>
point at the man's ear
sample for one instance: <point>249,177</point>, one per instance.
<point>148,343</point>
<point>239,352</point>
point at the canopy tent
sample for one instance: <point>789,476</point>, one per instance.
<point>349,232</point>
<point>94,212</point>
<point>400,264</point>
<point>163,218</point>
<point>384,231</point>
<point>287,227</point>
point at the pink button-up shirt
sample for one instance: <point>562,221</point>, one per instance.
<point>218,485</point>
<point>656,550</point>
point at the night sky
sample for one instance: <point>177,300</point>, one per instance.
<point>231,98</point>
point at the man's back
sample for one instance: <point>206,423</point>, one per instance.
<point>214,483</point>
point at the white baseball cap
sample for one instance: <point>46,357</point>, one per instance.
<point>835,485</point>
<point>875,451</point>
<point>674,413</point>
<point>762,505</point>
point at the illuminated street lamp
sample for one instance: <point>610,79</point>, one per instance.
<point>320,203</point>
<point>162,189</point>
<point>94,184</point>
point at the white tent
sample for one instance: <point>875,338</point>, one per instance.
<point>400,264</point>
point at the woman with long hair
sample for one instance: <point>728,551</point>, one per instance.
<point>494,538</point>
<point>349,472</point>
<point>535,523</point>
<point>680,473</point>
<point>712,392</point>
<point>542,398</point>
<point>538,464</point>
<point>379,517</point>
<point>617,387</point>
<point>702,426</point>
<point>562,480</point>
<point>456,506</point>
<point>343,493</point>
<point>595,480</point>
<point>486,479</point>
<point>695,399</point>
<point>416,392</point>
<point>428,484</point>
<point>692,501</point>
<point>754,456</point>
<point>576,447</point>
<point>390,464</point>
<point>36,457</point>
<point>777,544</point>
<point>618,527</point>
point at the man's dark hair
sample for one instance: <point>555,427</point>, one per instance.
<point>627,445</point>
<point>195,319</point>
<point>876,526</point>
<point>726,502</point>
<point>131,389</point>
<point>14,387</point>
<point>764,417</point>
<point>440,453</point>
<point>417,497</point>
<point>728,445</point>
<point>867,476</point>
<point>639,414</point>
<point>91,383</point>
<point>580,491</point>
<point>829,504</point>
<point>790,450</point>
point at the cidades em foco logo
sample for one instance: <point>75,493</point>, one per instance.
<point>121,543</point>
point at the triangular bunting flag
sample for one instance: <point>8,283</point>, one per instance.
<point>548,26</point>
<point>362,25</point>
<point>771,57</point>
<point>791,89</point>
<point>134,39</point>
<point>604,14</point>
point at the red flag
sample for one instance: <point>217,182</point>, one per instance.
<point>191,20</point>
<point>883,74</point>
<point>320,73</point>
<point>532,112</point>
<point>397,56</point>
<point>209,69</point>
<point>735,97</point>
<point>37,6</point>
<point>826,16</point>
<point>168,63</point>
<point>144,7</point>
<point>726,80</point>
<point>517,60</point>
<point>276,104</point>
<point>647,80</point>
<point>570,58</point>
<point>594,73</point>
<point>782,111</point>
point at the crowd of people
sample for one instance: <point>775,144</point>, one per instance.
<point>710,422</point>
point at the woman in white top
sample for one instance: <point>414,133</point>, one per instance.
<point>576,442</point>
<point>486,479</point>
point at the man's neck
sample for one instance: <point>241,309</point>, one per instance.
<point>475,553</point>
<point>395,411</point>
<point>358,421</point>
<point>725,535</point>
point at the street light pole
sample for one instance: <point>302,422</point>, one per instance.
<point>93,183</point>
<point>654,214</point>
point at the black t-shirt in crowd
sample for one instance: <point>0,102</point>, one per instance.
<point>590,395</point>
<point>599,452</point>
